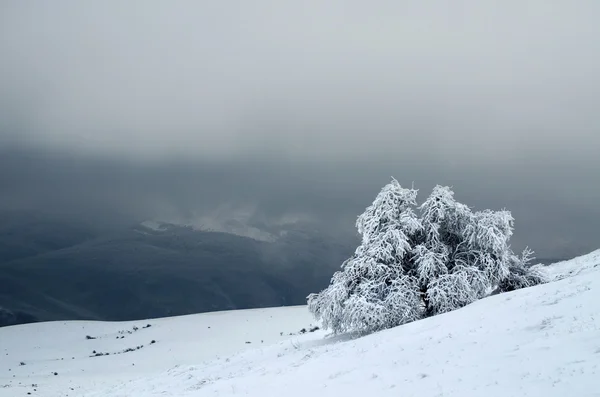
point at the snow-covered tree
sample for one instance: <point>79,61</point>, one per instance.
<point>372,291</point>
<point>409,266</point>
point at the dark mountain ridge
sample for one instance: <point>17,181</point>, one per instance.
<point>142,273</point>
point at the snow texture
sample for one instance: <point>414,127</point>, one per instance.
<point>538,341</point>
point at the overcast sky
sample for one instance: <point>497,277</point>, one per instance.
<point>310,106</point>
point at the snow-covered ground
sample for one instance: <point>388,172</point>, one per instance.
<point>63,348</point>
<point>540,341</point>
<point>571,267</point>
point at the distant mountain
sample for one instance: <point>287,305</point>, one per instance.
<point>59,271</point>
<point>27,233</point>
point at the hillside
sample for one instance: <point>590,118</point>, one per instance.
<point>537,341</point>
<point>29,233</point>
<point>176,271</point>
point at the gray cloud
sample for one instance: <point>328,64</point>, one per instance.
<point>555,219</point>
<point>308,79</point>
<point>307,107</point>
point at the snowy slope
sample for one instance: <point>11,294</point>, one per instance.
<point>541,341</point>
<point>62,347</point>
<point>571,267</point>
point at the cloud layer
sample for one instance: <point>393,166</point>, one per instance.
<point>304,106</point>
<point>311,79</point>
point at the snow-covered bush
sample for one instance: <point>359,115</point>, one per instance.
<point>417,261</point>
<point>521,274</point>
